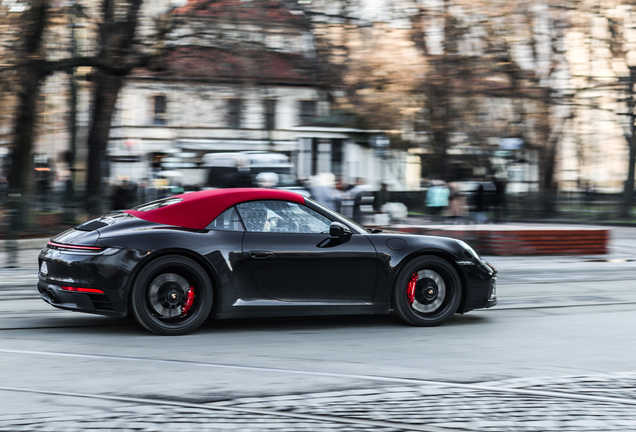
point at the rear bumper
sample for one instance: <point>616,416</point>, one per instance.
<point>108,271</point>
<point>75,301</point>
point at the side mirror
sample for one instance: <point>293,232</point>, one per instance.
<point>336,229</point>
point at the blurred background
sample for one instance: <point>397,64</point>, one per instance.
<point>450,110</point>
<point>430,116</point>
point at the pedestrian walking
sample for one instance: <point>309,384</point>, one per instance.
<point>437,199</point>
<point>323,189</point>
<point>456,203</point>
<point>481,204</point>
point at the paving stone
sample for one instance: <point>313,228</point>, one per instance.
<point>451,408</point>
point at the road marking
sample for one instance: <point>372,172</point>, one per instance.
<point>503,306</point>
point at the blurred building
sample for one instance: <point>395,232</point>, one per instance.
<point>240,76</point>
<point>538,81</point>
<point>395,78</point>
<point>243,77</point>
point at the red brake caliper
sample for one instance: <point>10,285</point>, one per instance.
<point>410,289</point>
<point>189,300</point>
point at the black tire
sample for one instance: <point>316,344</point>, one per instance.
<point>434,296</point>
<point>171,295</point>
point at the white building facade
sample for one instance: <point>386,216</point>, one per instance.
<point>221,95</point>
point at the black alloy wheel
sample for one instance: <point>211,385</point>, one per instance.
<point>171,295</point>
<point>427,291</point>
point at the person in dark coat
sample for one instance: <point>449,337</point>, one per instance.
<point>382,197</point>
<point>481,204</point>
<point>124,196</point>
<point>499,200</point>
<point>360,195</point>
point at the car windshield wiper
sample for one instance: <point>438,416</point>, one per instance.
<point>374,230</point>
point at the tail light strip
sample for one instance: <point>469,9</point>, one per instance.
<point>82,290</point>
<point>75,247</point>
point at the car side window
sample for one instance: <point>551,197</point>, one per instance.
<point>282,216</point>
<point>229,220</point>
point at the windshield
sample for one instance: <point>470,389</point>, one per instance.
<point>153,205</point>
<point>359,229</point>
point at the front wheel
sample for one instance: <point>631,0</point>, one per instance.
<point>427,292</point>
<point>172,295</point>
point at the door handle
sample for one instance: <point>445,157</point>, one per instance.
<point>260,254</point>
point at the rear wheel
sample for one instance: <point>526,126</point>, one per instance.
<point>172,295</point>
<point>427,291</point>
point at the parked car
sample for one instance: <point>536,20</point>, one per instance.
<point>229,253</point>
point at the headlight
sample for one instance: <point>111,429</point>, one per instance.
<point>468,249</point>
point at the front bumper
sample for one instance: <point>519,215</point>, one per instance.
<point>481,286</point>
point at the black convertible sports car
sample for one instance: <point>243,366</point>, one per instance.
<point>230,253</point>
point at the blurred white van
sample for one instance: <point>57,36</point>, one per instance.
<point>241,169</point>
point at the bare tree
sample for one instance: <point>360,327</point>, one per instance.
<point>482,71</point>
<point>116,42</point>
<point>30,71</point>
<point>615,18</point>
<point>117,53</point>
<point>118,49</point>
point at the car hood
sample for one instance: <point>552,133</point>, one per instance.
<point>419,242</point>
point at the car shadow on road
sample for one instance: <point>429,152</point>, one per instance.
<point>100,325</point>
<point>326,323</point>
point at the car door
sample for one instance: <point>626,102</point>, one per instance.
<point>291,255</point>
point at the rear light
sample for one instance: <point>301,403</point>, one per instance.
<point>77,248</point>
<point>82,290</point>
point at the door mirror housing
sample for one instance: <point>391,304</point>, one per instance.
<point>336,229</point>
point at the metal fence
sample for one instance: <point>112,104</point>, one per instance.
<point>52,213</point>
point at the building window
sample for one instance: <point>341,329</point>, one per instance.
<point>160,116</point>
<point>307,111</point>
<point>234,108</point>
<point>269,108</point>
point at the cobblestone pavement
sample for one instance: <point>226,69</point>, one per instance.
<point>550,404</point>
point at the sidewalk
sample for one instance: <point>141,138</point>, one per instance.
<point>21,253</point>
<point>587,403</point>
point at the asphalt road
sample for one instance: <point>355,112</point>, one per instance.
<point>557,353</point>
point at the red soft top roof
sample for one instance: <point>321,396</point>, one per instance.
<point>198,209</point>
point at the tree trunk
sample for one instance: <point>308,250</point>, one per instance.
<point>29,79</point>
<point>116,39</point>
<point>105,94</point>
<point>21,169</point>
<point>440,158</point>
<point>552,134</point>
<point>548,186</point>
<point>628,191</point>
<point>438,90</point>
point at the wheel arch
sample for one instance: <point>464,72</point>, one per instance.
<point>439,253</point>
<point>198,258</point>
